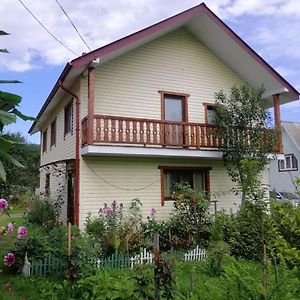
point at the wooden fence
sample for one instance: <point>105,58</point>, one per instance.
<point>51,265</point>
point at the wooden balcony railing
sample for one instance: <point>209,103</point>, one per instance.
<point>148,132</point>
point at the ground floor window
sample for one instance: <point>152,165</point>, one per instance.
<point>171,177</point>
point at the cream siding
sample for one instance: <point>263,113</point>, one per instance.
<point>65,144</point>
<point>104,179</point>
<point>128,85</point>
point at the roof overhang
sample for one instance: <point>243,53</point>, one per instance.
<point>208,29</point>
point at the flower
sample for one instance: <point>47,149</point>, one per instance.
<point>108,211</point>
<point>152,212</point>
<point>3,204</point>
<point>9,289</point>
<point>22,232</point>
<point>10,228</point>
<point>9,259</point>
<point>114,204</point>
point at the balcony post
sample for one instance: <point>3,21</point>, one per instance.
<point>91,101</point>
<point>277,120</point>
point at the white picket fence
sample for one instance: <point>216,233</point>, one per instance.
<point>147,257</point>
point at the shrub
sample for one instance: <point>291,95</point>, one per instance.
<point>42,213</point>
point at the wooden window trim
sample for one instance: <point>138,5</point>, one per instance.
<point>172,93</point>
<point>53,133</point>
<point>166,168</point>
<point>206,105</point>
<point>44,141</point>
<point>70,104</point>
<point>288,169</point>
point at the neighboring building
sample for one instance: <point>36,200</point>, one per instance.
<point>131,118</point>
<point>283,172</point>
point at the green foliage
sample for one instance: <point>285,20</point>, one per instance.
<point>242,119</point>
<point>42,213</point>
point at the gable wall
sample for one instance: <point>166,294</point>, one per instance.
<point>128,85</point>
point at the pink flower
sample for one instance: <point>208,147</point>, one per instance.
<point>9,259</point>
<point>3,204</point>
<point>10,228</point>
<point>152,212</point>
<point>22,232</point>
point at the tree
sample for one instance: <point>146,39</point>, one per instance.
<point>244,129</point>
<point>8,115</point>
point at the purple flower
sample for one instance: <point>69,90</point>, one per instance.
<point>3,204</point>
<point>22,232</point>
<point>152,212</point>
<point>10,228</point>
<point>9,259</point>
<point>109,211</point>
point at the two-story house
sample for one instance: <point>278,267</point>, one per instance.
<point>130,119</point>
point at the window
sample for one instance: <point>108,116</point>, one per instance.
<point>289,163</point>
<point>68,118</point>
<point>196,178</point>
<point>47,185</point>
<point>53,133</point>
<point>45,141</point>
<point>210,114</point>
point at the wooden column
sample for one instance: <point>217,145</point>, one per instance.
<point>91,101</point>
<point>277,120</point>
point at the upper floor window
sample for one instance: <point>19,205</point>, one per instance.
<point>53,133</point>
<point>210,114</point>
<point>289,163</point>
<point>68,118</point>
<point>171,177</point>
<point>45,141</point>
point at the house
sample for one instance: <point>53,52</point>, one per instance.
<point>282,172</point>
<point>129,119</point>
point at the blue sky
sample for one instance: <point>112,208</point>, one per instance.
<point>270,27</point>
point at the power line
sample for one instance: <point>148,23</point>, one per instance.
<point>73,25</point>
<point>47,29</point>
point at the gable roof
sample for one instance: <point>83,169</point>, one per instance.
<point>293,130</point>
<point>206,27</point>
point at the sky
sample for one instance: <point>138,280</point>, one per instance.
<point>270,27</point>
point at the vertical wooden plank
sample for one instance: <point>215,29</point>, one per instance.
<point>120,131</point>
<point>113,131</point>
<point>162,137</point>
<point>127,132</point>
<point>167,134</point>
<point>155,131</point>
<point>105,139</point>
<point>98,130</point>
<point>197,137</point>
<point>202,129</point>
<point>142,132</point>
<point>134,132</point>
<point>148,132</point>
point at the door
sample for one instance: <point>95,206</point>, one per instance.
<point>174,111</point>
<point>70,194</point>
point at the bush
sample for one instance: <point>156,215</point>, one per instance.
<point>42,213</point>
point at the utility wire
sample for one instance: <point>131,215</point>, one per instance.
<point>47,29</point>
<point>73,25</point>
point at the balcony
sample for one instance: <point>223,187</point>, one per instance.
<point>150,133</point>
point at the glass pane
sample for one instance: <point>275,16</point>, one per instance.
<point>173,108</point>
<point>199,181</point>
<point>294,162</point>
<point>211,115</point>
<point>288,162</point>
<point>281,164</point>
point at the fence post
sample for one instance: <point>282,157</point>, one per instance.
<point>156,266</point>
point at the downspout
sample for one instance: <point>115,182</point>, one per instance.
<point>77,143</point>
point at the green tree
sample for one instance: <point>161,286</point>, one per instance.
<point>244,127</point>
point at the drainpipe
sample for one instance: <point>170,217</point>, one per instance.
<point>76,183</point>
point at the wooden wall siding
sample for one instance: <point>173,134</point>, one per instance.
<point>129,85</point>
<point>104,179</point>
<point>65,144</point>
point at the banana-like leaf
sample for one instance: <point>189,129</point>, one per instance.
<point>3,32</point>
<point>10,98</point>
<point>22,116</point>
<point>5,144</point>
<point>2,171</point>
<point>10,81</point>
<point>10,159</point>
<point>7,118</point>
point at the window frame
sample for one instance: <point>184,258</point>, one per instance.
<point>44,141</point>
<point>184,97</point>
<point>163,169</point>
<point>47,185</point>
<point>206,106</point>
<point>291,156</point>
<point>53,134</point>
<point>68,126</point>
